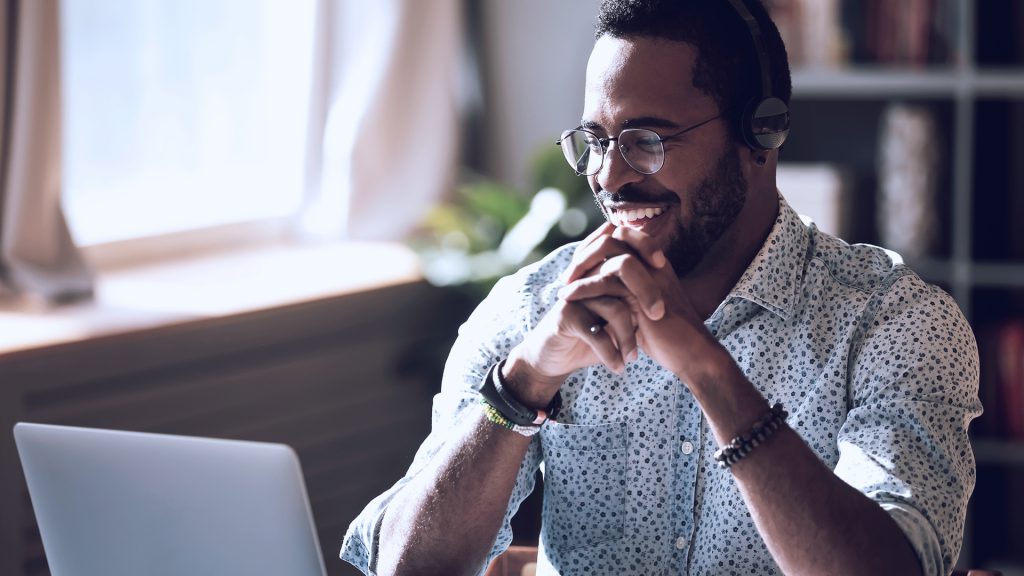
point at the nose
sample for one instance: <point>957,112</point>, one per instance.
<point>615,171</point>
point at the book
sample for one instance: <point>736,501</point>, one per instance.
<point>1010,374</point>
<point>908,162</point>
<point>812,32</point>
<point>908,33</point>
<point>818,192</point>
<point>1001,389</point>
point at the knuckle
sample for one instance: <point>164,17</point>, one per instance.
<point>580,289</point>
<point>571,313</point>
<point>609,267</point>
<point>631,265</point>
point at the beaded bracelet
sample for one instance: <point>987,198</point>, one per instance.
<point>494,416</point>
<point>742,445</point>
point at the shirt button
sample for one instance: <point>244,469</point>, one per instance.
<point>680,543</point>
<point>687,447</point>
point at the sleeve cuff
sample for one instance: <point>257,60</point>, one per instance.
<point>375,542</point>
<point>922,537</point>
<point>360,548</point>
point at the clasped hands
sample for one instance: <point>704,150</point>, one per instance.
<point>621,279</point>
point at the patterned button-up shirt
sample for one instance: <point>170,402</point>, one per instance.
<point>878,370</point>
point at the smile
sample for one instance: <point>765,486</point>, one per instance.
<point>634,218</point>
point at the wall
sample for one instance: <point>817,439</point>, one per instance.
<point>534,67</point>
<point>347,381</point>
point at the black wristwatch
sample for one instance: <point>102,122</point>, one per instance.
<point>497,394</point>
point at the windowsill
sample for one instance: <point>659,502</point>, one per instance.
<point>207,286</point>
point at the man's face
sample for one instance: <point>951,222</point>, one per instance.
<point>696,197</point>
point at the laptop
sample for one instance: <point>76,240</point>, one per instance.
<point>117,503</point>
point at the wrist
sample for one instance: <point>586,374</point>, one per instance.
<point>503,408</point>
<point>728,399</point>
<point>708,362</point>
<point>531,387</point>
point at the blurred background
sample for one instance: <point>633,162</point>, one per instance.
<point>266,220</point>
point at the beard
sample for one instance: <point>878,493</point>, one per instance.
<point>714,206</point>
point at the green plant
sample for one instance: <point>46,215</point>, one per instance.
<point>489,229</point>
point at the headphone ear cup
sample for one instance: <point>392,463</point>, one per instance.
<point>765,123</point>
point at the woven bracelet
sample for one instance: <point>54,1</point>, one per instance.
<point>497,418</point>
<point>742,445</point>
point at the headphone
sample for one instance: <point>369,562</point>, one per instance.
<point>764,122</point>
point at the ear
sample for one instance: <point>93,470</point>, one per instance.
<point>758,166</point>
<point>758,158</point>
<point>753,158</point>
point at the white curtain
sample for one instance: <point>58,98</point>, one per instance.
<point>37,254</point>
<point>383,130</point>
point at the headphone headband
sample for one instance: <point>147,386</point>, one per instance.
<point>755,35</point>
<point>765,120</point>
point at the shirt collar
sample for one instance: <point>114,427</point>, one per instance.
<point>773,278</point>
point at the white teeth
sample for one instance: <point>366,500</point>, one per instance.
<point>625,216</point>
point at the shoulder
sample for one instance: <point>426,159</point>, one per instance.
<point>896,300</point>
<point>862,267</point>
<point>534,287</point>
<point>548,270</point>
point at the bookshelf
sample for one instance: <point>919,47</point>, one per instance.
<point>974,92</point>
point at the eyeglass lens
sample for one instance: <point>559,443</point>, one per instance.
<point>642,149</point>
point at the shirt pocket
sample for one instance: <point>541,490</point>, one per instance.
<point>584,484</point>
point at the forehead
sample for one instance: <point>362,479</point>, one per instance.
<point>640,77</point>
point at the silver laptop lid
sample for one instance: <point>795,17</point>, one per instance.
<point>116,503</point>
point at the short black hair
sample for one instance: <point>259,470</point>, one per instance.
<point>727,67</point>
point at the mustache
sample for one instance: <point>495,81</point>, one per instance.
<point>631,193</point>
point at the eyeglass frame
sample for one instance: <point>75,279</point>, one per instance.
<point>605,144</point>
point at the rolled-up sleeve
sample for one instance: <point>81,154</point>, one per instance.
<point>914,379</point>
<point>494,328</point>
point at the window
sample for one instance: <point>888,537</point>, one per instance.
<point>183,114</point>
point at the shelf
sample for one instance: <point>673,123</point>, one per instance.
<point>932,270</point>
<point>979,274</point>
<point>1000,452</point>
<point>927,83</point>
<point>873,84</point>
<point>997,83</point>
<point>997,275</point>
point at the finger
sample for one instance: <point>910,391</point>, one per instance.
<point>640,282</point>
<point>620,324</point>
<point>644,244</point>
<point>622,277</point>
<point>583,248</point>
<point>579,319</point>
<point>590,257</point>
<point>605,229</point>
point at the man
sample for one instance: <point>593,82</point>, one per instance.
<point>677,337</point>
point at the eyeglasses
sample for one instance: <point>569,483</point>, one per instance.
<point>643,149</point>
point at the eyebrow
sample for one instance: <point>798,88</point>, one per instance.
<point>641,122</point>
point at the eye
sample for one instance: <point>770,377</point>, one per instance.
<point>650,142</point>
<point>592,142</point>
